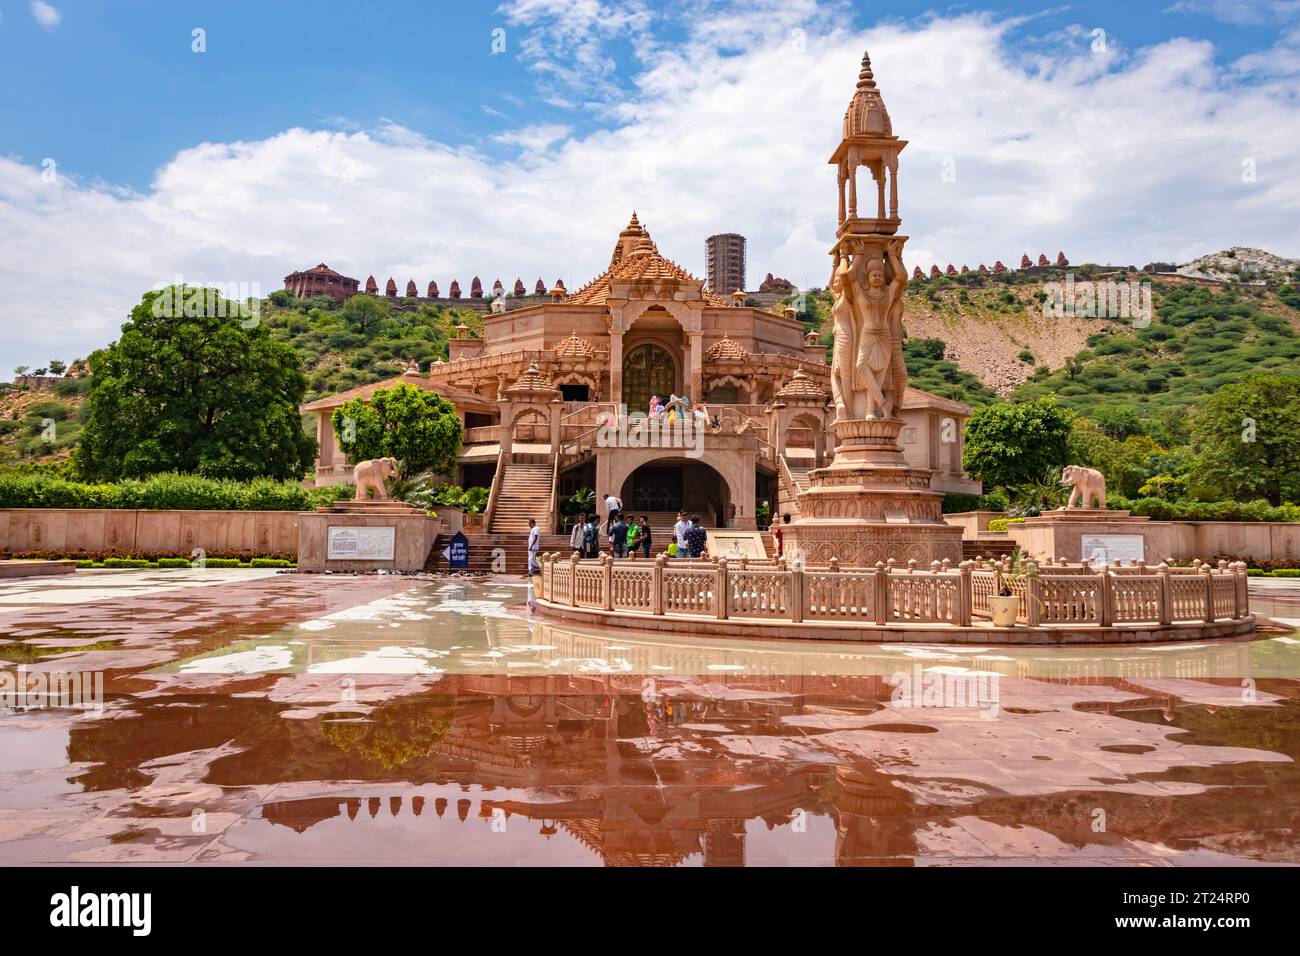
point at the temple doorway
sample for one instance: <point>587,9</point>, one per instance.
<point>664,487</point>
<point>648,370</point>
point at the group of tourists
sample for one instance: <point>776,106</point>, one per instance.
<point>678,408</point>
<point>630,535</point>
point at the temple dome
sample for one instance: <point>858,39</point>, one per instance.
<point>532,382</point>
<point>575,347</point>
<point>801,388</point>
<point>866,115</point>
<point>727,349</point>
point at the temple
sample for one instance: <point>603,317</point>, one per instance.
<point>531,390</point>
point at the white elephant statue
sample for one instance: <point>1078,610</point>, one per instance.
<point>1088,483</point>
<point>369,476</point>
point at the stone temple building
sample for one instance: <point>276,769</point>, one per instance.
<point>534,391</point>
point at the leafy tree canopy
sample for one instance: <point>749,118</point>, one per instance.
<point>1015,443</point>
<point>418,428</point>
<point>1247,441</point>
<point>194,386</point>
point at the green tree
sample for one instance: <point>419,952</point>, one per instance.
<point>189,388</point>
<point>1247,441</point>
<point>1016,442</point>
<point>1118,421</point>
<point>364,312</point>
<point>418,428</point>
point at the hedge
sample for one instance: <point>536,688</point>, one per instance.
<point>1161,509</point>
<point>165,492</point>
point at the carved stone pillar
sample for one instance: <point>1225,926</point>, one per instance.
<point>616,366</point>
<point>695,366</point>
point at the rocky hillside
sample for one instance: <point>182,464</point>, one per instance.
<point>1242,264</point>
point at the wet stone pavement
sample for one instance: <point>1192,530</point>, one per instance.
<point>255,717</point>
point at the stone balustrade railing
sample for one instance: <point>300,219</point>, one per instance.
<point>890,593</point>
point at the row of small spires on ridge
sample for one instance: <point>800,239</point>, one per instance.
<point>1025,263</point>
<point>475,289</point>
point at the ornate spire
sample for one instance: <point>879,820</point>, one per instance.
<point>866,79</point>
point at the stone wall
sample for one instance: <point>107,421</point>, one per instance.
<point>92,529</point>
<point>1179,540</point>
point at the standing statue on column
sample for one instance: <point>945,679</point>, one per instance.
<point>867,371</point>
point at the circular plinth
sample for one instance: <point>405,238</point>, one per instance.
<point>980,634</point>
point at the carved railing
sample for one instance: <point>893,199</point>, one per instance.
<point>893,594</point>
<point>494,492</point>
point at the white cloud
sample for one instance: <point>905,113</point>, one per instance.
<point>1241,12</point>
<point>1135,159</point>
<point>46,15</point>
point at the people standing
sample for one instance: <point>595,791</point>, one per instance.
<point>534,545</point>
<point>633,539</point>
<point>617,531</point>
<point>679,532</point>
<point>575,536</point>
<point>644,539</point>
<point>697,539</point>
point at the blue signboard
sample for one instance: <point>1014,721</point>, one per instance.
<point>458,552</point>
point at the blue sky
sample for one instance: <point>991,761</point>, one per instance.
<point>115,91</point>
<point>389,138</point>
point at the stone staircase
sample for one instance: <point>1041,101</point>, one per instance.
<point>484,547</point>
<point>524,492</point>
<point>788,503</point>
<point>987,546</point>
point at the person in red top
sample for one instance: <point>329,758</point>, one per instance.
<point>779,536</point>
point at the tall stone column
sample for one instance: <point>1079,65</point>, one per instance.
<point>695,365</point>
<point>616,366</point>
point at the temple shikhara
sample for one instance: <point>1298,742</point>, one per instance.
<point>534,390</point>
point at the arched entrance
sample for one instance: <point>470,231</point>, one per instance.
<point>663,487</point>
<point>648,369</point>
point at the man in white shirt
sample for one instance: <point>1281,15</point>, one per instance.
<point>534,545</point>
<point>679,532</point>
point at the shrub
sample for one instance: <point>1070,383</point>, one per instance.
<point>1000,524</point>
<point>167,491</point>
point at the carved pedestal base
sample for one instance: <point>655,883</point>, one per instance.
<point>870,505</point>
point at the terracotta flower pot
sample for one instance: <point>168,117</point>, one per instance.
<point>1004,610</point>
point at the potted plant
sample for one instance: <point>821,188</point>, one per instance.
<point>1005,605</point>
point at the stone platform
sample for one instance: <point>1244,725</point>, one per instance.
<point>30,569</point>
<point>1108,534</point>
<point>365,536</point>
<point>869,505</point>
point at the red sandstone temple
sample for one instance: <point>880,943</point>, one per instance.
<point>530,390</point>
<point>321,280</point>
